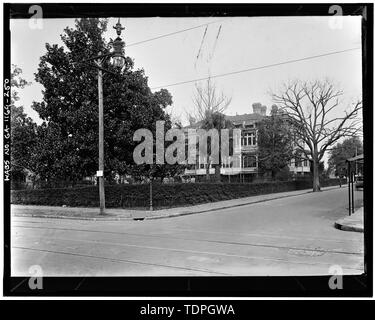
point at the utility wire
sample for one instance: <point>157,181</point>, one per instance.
<point>217,37</point>
<point>172,33</point>
<point>200,47</point>
<point>257,68</point>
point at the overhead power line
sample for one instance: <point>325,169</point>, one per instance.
<point>257,68</point>
<point>172,33</point>
<point>200,47</point>
<point>215,43</point>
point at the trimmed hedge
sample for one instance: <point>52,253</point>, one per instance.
<point>164,195</point>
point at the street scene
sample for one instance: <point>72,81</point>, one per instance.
<point>200,146</point>
<point>288,236</point>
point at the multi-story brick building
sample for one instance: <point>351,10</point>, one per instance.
<point>243,164</point>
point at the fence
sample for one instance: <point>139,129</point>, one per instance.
<point>53,184</point>
<point>163,195</point>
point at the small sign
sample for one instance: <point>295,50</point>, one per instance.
<point>99,173</point>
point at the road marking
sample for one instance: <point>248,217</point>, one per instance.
<point>264,234</point>
<point>118,260</point>
<point>258,234</point>
<point>199,240</point>
<point>196,252</point>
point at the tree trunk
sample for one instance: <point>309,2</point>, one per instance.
<point>218,166</point>
<point>217,172</point>
<point>316,182</point>
<point>151,204</point>
<point>208,171</point>
<point>162,177</point>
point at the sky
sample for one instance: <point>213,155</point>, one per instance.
<point>242,43</point>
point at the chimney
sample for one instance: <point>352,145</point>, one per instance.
<point>263,110</point>
<point>257,107</point>
<point>192,120</point>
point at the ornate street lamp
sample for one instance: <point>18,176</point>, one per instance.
<point>118,56</point>
<point>118,60</point>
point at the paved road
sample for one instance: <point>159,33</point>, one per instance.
<point>290,236</point>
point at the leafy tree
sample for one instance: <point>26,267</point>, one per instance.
<point>16,82</point>
<point>342,151</point>
<point>209,108</point>
<point>70,105</point>
<point>157,171</point>
<point>218,121</point>
<point>168,171</point>
<point>274,144</point>
<point>23,139</point>
<point>23,131</point>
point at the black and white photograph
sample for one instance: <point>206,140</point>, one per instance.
<point>200,142</point>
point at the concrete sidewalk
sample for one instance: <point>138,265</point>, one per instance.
<point>353,222</point>
<point>81,213</point>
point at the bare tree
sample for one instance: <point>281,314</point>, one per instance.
<point>207,100</point>
<point>312,108</point>
<point>173,117</point>
<point>209,107</point>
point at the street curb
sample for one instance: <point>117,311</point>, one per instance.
<point>221,208</point>
<point>345,227</point>
<point>69,218</point>
<point>172,215</point>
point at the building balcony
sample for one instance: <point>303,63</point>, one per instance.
<point>234,171</point>
<point>299,169</point>
<point>249,149</point>
<point>223,171</point>
<point>199,171</point>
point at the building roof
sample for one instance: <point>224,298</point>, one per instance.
<point>237,119</point>
<point>247,117</point>
<point>195,125</point>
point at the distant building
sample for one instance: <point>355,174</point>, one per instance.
<point>243,164</point>
<point>299,167</point>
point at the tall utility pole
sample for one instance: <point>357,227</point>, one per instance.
<point>101,140</point>
<point>151,208</point>
<point>356,167</point>
<point>118,60</point>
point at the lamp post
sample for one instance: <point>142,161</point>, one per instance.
<point>118,60</point>
<point>100,172</point>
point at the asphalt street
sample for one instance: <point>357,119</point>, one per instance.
<point>289,236</point>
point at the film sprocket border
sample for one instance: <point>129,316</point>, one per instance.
<point>199,286</point>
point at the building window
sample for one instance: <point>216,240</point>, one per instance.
<point>305,163</point>
<point>243,142</point>
<point>298,163</point>
<point>249,161</point>
<point>248,139</point>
